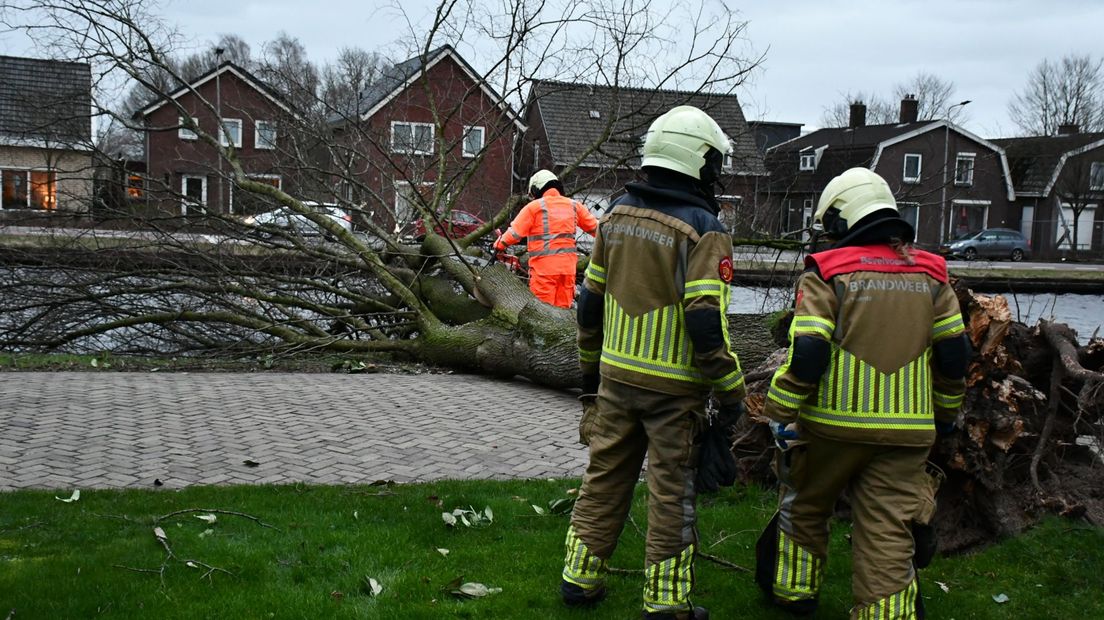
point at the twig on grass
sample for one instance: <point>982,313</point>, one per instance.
<point>216,511</point>
<point>723,562</point>
<point>625,571</point>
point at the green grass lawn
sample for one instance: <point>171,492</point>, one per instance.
<point>99,557</point>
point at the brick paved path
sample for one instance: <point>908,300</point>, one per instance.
<point>113,430</point>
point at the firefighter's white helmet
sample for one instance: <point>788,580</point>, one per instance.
<point>855,194</point>
<point>680,139</point>
<point>539,179</point>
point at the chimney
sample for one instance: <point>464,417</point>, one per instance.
<point>910,109</point>
<point>858,114</point>
<point>1069,129</point>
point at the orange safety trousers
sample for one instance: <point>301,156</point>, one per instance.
<point>557,289</point>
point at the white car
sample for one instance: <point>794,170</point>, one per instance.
<point>297,223</point>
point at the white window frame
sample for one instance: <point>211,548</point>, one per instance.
<point>905,178</point>
<point>413,150</point>
<point>184,203</point>
<point>1096,172</point>
<point>969,180</point>
<point>223,123</point>
<point>807,161</point>
<point>1084,229</point>
<point>257,142</point>
<point>183,132</point>
<point>464,140</point>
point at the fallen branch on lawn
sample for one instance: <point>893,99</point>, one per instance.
<point>216,511</point>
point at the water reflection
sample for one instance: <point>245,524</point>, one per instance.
<point>1083,313</point>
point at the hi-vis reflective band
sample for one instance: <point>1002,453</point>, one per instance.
<point>547,236</point>
<point>899,606</point>
<point>596,272</point>
<point>655,344</point>
<point>947,401</point>
<point>667,585</point>
<point>951,326</point>
<point>589,356</point>
<point>797,573</point>
<point>853,393</point>
<point>581,567</point>
<point>807,324</point>
<point>785,397</point>
<point>702,288</point>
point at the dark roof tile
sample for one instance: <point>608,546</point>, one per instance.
<point>45,101</point>
<point>1034,159</point>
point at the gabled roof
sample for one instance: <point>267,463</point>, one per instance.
<point>402,75</point>
<point>576,116</point>
<point>863,146</point>
<point>1037,161</point>
<point>227,67</point>
<point>45,103</point>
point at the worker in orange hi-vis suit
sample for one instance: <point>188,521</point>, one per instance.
<point>549,223</point>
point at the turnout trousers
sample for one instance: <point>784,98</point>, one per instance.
<point>630,423</point>
<point>887,487</point>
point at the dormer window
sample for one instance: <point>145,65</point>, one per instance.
<point>807,161</point>
<point>595,114</point>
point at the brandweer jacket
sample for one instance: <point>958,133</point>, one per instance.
<point>861,366</point>
<point>549,224</point>
<point>652,310</point>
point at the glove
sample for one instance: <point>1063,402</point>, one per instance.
<point>944,429</point>
<point>728,415</point>
<point>716,463</point>
<point>783,433</point>
<point>590,383</point>
<point>589,421</point>
<point>499,246</point>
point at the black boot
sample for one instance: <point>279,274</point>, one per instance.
<point>576,596</point>
<point>699,613</point>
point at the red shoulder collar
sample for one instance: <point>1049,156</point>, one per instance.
<point>880,258</point>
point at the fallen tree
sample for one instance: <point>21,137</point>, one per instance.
<point>1030,439</point>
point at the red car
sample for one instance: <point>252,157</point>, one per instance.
<point>456,225</point>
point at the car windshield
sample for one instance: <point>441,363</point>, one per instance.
<point>968,235</point>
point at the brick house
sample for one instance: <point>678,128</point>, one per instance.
<point>1054,177</point>
<point>431,130</point>
<point>600,129</point>
<point>45,136</point>
<point>188,176</point>
<point>946,180</point>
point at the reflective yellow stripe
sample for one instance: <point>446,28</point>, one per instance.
<point>667,584</point>
<point>851,419</point>
<point>596,272</point>
<point>703,288</point>
<point>589,356</point>
<point>949,326</point>
<point>947,401</point>
<point>808,324</point>
<point>653,367</point>
<point>798,573</point>
<point>581,567</point>
<point>729,382</point>
<point>784,397</point>
<point>897,606</point>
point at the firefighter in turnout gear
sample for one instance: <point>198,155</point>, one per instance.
<point>549,223</point>
<point>653,345</point>
<point>876,366</point>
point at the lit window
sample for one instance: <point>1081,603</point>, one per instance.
<point>230,132</point>
<point>135,186</point>
<point>183,132</point>
<point>1096,176</point>
<point>964,169</point>
<point>911,173</point>
<point>412,138</point>
<point>473,141</point>
<point>265,137</point>
<point>808,161</point>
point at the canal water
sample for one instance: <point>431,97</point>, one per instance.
<point>1083,313</point>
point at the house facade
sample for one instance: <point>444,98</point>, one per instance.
<point>1059,183</point>
<point>596,133</point>
<point>45,137</point>
<point>947,181</point>
<point>186,175</point>
<point>431,133</point>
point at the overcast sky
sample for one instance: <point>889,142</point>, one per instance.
<point>816,50</point>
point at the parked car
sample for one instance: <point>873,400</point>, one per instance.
<point>989,243</point>
<point>456,225</point>
<point>264,224</point>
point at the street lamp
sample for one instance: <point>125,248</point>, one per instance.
<point>946,163</point>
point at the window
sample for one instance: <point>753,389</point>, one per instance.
<point>43,190</point>
<point>911,173</point>
<point>808,161</point>
<point>728,163</point>
<point>964,169</point>
<point>910,212</point>
<point>230,132</point>
<point>473,141</point>
<point>135,187</point>
<point>1096,176</point>
<point>194,191</point>
<point>265,135</point>
<point>184,133</point>
<point>412,138</point>
<point>14,194</point>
